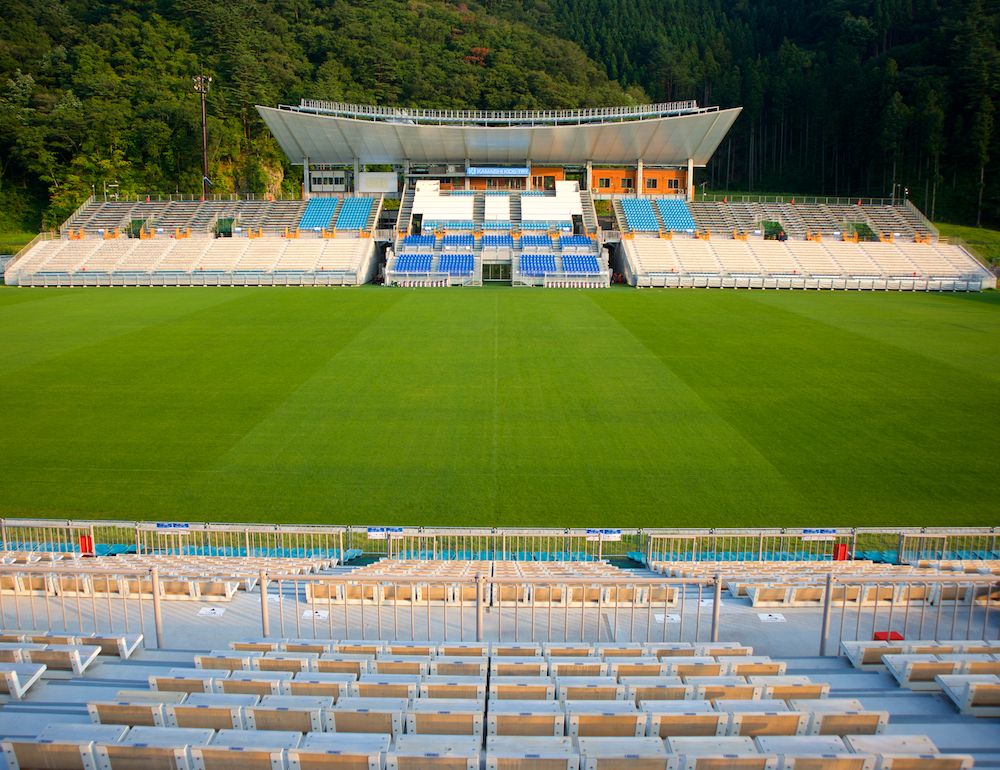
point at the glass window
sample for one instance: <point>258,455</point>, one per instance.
<point>604,182</point>
<point>651,184</point>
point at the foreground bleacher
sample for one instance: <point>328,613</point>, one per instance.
<point>313,704</point>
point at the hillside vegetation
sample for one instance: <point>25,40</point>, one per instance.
<point>840,97</point>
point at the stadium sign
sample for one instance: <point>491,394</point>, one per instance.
<point>497,171</point>
<point>819,534</point>
<point>172,525</point>
<point>604,535</point>
<point>384,533</point>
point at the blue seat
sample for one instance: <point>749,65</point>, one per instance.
<point>413,263</point>
<point>456,264</point>
<point>580,264</point>
<point>354,213</point>
<point>457,242</point>
<point>675,214</point>
<point>498,241</point>
<point>639,215</point>
<point>536,241</point>
<point>318,214</point>
<point>419,241</point>
<point>537,265</point>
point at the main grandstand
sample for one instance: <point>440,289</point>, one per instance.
<point>500,196</point>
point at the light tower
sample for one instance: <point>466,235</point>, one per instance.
<point>201,84</point>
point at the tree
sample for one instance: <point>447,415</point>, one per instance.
<point>982,133</point>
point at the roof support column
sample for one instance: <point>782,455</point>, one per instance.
<point>527,182</point>
<point>690,180</point>
<point>357,173</point>
<point>639,188</point>
<point>588,179</point>
<point>468,164</point>
<point>306,180</point>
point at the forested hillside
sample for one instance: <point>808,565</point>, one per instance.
<point>840,96</point>
<point>92,92</point>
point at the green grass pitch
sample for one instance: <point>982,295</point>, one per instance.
<point>500,406</point>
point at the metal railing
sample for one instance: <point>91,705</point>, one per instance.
<point>915,607</point>
<point>65,600</point>
<point>12,264</point>
<point>828,200</point>
<point>81,598</point>
<point>409,115</point>
<point>512,543</point>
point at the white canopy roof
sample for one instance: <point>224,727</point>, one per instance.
<point>659,134</point>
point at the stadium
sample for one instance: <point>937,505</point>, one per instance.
<point>427,526</point>
<point>504,197</point>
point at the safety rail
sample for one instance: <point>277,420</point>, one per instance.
<point>66,225</point>
<point>49,236</point>
<point>496,608</point>
<point>899,605</point>
<point>890,544</point>
<point>828,200</point>
<point>408,115</point>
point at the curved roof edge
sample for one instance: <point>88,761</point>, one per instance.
<point>389,135</point>
<point>415,116</point>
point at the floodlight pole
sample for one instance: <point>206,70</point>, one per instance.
<point>201,84</point>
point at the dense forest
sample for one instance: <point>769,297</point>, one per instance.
<point>840,97</point>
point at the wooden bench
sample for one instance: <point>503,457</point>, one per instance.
<point>688,718</point>
<point>434,752</point>
<point>367,715</point>
<point>65,657</point>
<point>507,752</point>
<point>974,694</point>
<point>237,749</point>
<point>445,717</point>
<point>340,751</point>
<point>60,747</point>
<point>525,717</point>
<point>216,710</point>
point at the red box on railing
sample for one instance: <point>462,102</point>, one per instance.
<point>887,636</point>
<point>86,545</point>
<point>840,552</point>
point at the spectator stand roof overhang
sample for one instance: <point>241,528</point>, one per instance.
<point>341,134</point>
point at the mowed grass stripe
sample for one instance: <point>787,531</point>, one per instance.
<point>72,319</point>
<point>865,429</point>
<point>958,330</point>
<point>500,407</point>
<point>117,428</point>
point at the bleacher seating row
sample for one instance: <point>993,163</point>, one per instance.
<point>118,748</point>
<point>802,584</point>
<point>966,671</point>
<point>287,704</point>
<point>354,214</point>
<point>798,219</point>
<point>182,577</point>
<point>799,259</point>
<point>273,217</point>
<point>537,264</point>
<point>319,213</point>
<point>123,259</point>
